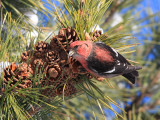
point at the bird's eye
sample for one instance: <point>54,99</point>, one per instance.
<point>76,47</point>
<point>86,44</point>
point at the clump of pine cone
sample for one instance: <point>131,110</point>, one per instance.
<point>50,59</point>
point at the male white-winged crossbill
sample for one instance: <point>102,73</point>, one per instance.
<point>102,61</point>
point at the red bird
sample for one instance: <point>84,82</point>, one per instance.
<point>102,61</point>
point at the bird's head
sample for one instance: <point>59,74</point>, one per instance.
<point>80,50</point>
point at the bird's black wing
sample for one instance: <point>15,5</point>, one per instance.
<point>119,65</point>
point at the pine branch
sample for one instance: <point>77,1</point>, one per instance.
<point>45,77</point>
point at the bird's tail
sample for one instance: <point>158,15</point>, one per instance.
<point>132,76</point>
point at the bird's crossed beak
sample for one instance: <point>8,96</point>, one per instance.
<point>71,52</point>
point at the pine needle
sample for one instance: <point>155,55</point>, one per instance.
<point>114,103</point>
<point>133,61</point>
<point>101,109</point>
<point>109,83</point>
<point>111,108</point>
<point>65,86</point>
<point>127,46</point>
<point>128,52</point>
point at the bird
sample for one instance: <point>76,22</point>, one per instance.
<point>102,60</point>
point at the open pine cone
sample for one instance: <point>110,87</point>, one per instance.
<point>96,34</point>
<point>52,56</point>
<point>25,56</point>
<point>53,72</point>
<point>18,73</point>
<point>64,38</point>
<point>41,48</point>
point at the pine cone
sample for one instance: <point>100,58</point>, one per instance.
<point>40,49</point>
<point>57,78</point>
<point>63,55</point>
<point>52,56</point>
<point>25,56</point>
<point>54,45</point>
<point>38,64</point>
<point>57,89</point>
<point>96,34</point>
<point>18,73</point>
<point>64,38</point>
<point>24,70</point>
<point>68,33</point>
<point>68,89</point>
<point>53,72</point>
<point>49,92</point>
